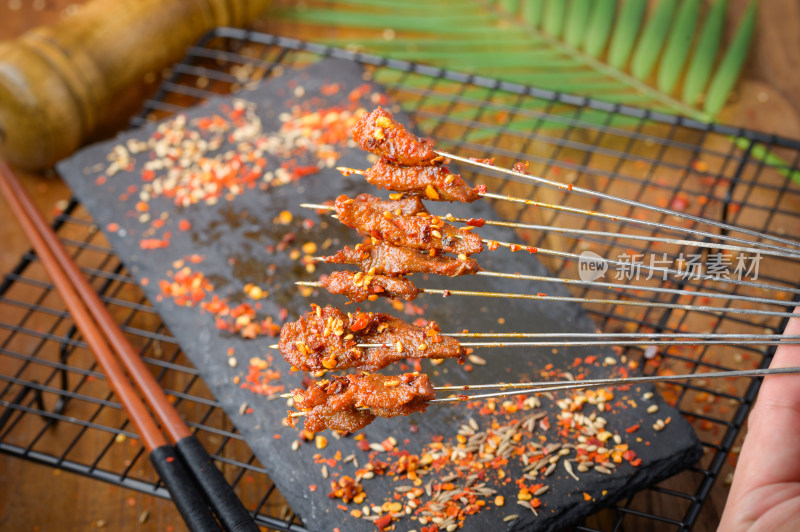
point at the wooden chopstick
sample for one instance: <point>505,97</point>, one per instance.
<point>76,293</point>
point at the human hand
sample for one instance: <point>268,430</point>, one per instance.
<point>765,494</point>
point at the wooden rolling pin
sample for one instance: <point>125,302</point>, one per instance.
<point>58,82</point>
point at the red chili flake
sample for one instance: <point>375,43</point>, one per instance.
<point>531,249</point>
<point>679,203</point>
<point>153,243</point>
<point>113,227</point>
<point>383,521</point>
<point>330,89</point>
<point>100,181</point>
<point>632,428</point>
<point>362,320</point>
<point>170,459</point>
<point>476,222</point>
<point>521,167</point>
<point>184,225</point>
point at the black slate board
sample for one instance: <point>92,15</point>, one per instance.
<point>234,236</point>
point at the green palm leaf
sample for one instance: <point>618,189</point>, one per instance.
<point>625,32</point>
<point>609,49</point>
<point>678,45</point>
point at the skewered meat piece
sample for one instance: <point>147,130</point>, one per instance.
<point>422,230</point>
<point>327,338</point>
<point>360,286</point>
<point>334,404</point>
<point>403,206</point>
<point>432,182</point>
<point>385,259</point>
<point>381,134</point>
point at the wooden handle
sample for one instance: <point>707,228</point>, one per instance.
<point>57,82</point>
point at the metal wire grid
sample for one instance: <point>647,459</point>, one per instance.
<point>59,411</point>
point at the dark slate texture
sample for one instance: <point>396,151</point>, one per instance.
<point>242,228</point>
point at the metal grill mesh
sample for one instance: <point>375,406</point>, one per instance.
<point>58,410</point>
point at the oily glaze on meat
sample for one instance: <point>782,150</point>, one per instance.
<point>405,206</point>
<point>432,182</point>
<point>422,230</point>
<point>335,404</point>
<point>360,286</point>
<point>327,338</point>
<point>385,259</point>
<point>381,134</point>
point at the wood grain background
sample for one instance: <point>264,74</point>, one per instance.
<point>34,497</point>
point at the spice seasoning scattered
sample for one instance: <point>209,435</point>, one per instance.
<point>451,478</point>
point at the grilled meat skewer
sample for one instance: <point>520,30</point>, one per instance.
<point>421,230</point>
<point>435,183</point>
<point>352,402</point>
<point>327,338</point>
<point>382,258</point>
<point>360,286</point>
<point>379,133</point>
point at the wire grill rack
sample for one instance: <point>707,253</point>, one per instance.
<point>58,410</point>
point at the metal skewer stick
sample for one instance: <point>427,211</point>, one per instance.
<point>528,388</point>
<point>755,341</point>
<point>632,203</point>
<point>764,248</point>
<point>624,302</point>
<point>709,339</point>
<point>614,286</point>
<point>576,233</point>
<point>577,256</point>
<point>760,247</point>
<point>766,286</point>
<point>551,386</point>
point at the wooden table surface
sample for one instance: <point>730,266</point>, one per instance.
<point>34,497</point>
